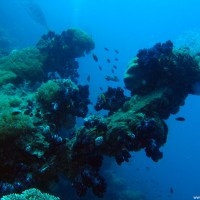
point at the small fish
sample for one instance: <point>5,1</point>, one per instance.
<point>116,59</point>
<point>88,78</point>
<point>116,51</point>
<point>181,119</point>
<point>147,168</point>
<point>171,190</point>
<point>16,112</point>
<point>100,68</point>
<point>95,57</point>
<point>109,78</point>
<point>101,88</point>
<point>114,66</point>
<point>113,71</point>
<point>106,49</point>
<point>55,106</point>
<point>108,60</point>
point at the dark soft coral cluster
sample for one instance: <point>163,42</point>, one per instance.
<point>61,50</point>
<point>111,100</point>
<point>61,100</point>
<point>149,57</point>
<point>89,178</point>
<point>162,67</point>
<point>149,138</point>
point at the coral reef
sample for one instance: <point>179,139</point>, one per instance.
<point>30,194</point>
<point>177,70</point>
<point>33,152</point>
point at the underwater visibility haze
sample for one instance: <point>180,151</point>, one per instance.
<point>99,99</point>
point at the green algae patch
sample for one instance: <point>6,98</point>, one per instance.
<point>80,42</point>
<point>20,65</point>
<point>14,125</point>
<point>48,92</point>
<point>7,76</point>
<point>14,121</point>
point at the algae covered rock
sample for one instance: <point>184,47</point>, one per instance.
<point>31,194</point>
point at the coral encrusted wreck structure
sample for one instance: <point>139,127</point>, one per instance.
<point>33,154</point>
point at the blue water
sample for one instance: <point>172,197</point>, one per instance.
<point>127,26</point>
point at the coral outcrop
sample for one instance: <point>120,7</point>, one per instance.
<point>25,64</point>
<point>61,50</point>
<point>34,153</point>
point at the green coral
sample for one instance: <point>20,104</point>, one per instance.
<point>14,125</point>
<point>13,120</point>
<point>7,76</point>
<point>20,65</point>
<point>52,91</point>
<point>48,92</point>
<point>31,194</point>
<point>80,42</point>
